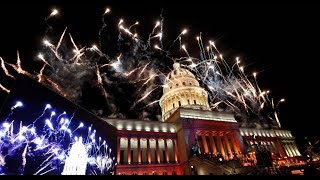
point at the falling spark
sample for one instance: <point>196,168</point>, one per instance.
<point>98,76</point>
<point>19,63</point>
<point>107,11</point>
<point>60,40</point>
<point>143,97</point>
<point>40,56</point>
<point>5,69</point>
<point>41,73</point>
<point>4,89</point>
<point>54,12</point>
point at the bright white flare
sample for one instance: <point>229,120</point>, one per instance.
<point>54,12</point>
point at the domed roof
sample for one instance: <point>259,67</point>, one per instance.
<point>178,72</point>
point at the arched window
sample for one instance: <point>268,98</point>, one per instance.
<point>190,84</point>
<point>173,105</point>
<point>179,103</point>
<point>177,84</point>
<point>188,101</point>
<point>184,83</point>
<point>195,102</point>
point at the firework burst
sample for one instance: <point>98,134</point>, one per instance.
<point>129,78</point>
<point>52,148</point>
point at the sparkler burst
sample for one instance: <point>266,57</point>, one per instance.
<point>50,146</point>
<point>125,74</point>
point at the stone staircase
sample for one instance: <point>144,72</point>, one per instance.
<point>212,167</point>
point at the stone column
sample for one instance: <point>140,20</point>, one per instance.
<point>292,149</point>
<point>296,149</point>
<point>227,144</point>
<point>118,149</point>
<point>157,151</point>
<point>280,148</point>
<point>166,150</point>
<point>213,145</point>
<point>129,150</point>
<point>139,151</point>
<point>236,145</point>
<point>221,146</point>
<point>204,142</point>
<point>148,151</point>
<point>288,150</point>
<point>175,154</point>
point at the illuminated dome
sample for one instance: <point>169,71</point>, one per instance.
<point>179,72</point>
<point>182,89</point>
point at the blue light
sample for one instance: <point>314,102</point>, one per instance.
<point>48,106</point>
<point>19,104</point>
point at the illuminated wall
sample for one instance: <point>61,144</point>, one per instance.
<point>43,133</point>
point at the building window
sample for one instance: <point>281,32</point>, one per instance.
<point>184,83</point>
<point>170,87</point>
<point>179,103</point>
<point>195,102</point>
<point>188,101</point>
<point>177,84</point>
<point>190,84</point>
<point>173,105</point>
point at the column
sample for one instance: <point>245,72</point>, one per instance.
<point>148,151</point>
<point>296,149</point>
<point>139,151</point>
<point>129,150</point>
<point>221,146</point>
<point>227,144</point>
<point>292,149</point>
<point>118,150</point>
<point>213,145</point>
<point>288,150</point>
<point>280,149</point>
<point>157,151</point>
<point>204,142</point>
<point>175,154</point>
<point>166,150</point>
<point>235,142</point>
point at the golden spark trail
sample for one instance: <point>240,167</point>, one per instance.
<point>4,89</point>
<point>5,69</point>
<point>60,40</point>
<point>141,99</point>
<point>132,71</point>
<point>144,68</point>
<point>99,76</point>
<point>56,86</point>
<point>150,104</point>
<point>41,73</point>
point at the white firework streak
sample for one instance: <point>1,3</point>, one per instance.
<point>42,144</point>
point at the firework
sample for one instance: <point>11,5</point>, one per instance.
<point>53,146</point>
<point>134,71</point>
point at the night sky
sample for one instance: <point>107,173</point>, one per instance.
<point>280,41</point>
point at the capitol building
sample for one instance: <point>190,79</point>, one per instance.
<point>192,139</point>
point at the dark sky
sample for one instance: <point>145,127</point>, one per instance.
<point>280,40</point>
